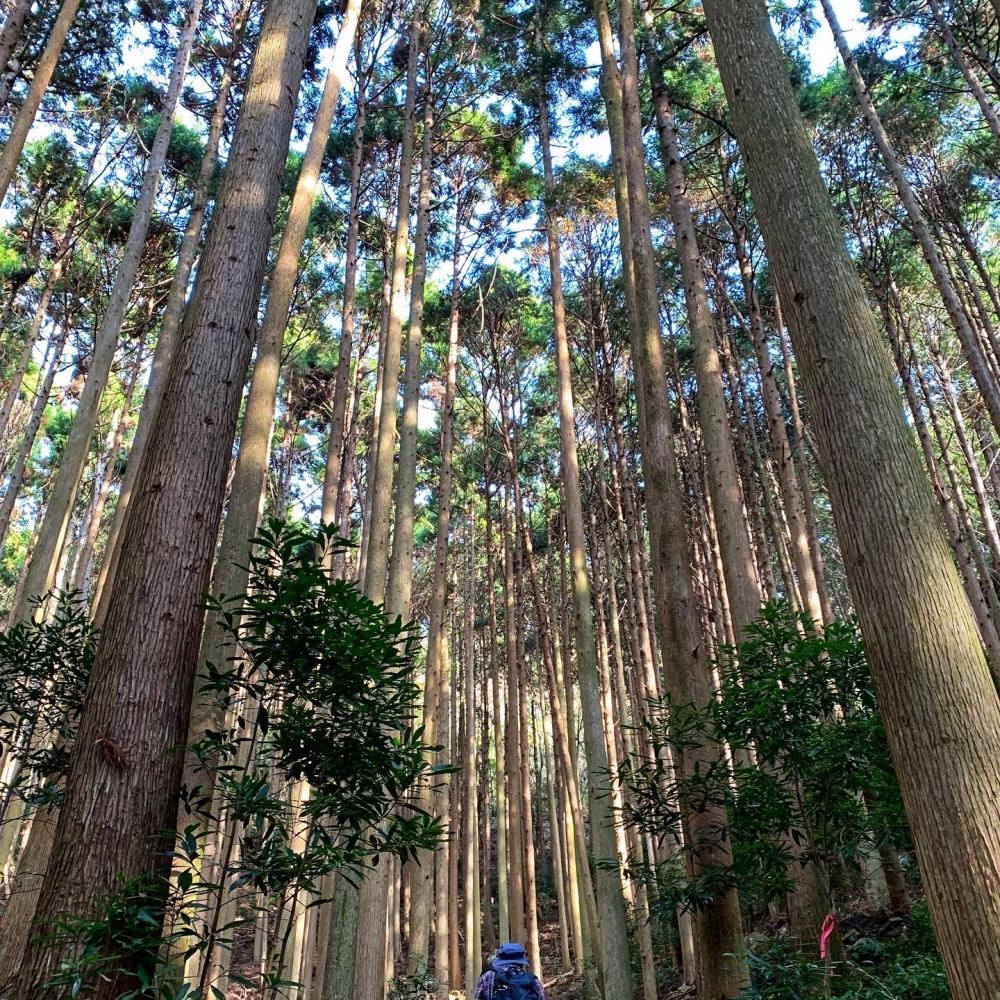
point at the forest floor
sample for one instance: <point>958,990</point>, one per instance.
<point>862,929</point>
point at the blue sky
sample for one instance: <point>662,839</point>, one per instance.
<point>822,51</point>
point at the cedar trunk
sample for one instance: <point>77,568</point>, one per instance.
<point>125,772</point>
<point>940,706</point>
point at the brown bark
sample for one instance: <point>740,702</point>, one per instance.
<point>370,963</point>
<point>44,561</point>
<point>742,588</point>
<point>529,839</point>
<point>125,773</point>
<point>614,947</point>
<point>230,576</point>
<point>42,392</point>
<point>102,485</point>
<point>457,806</point>
<point>173,312</point>
<point>800,455</point>
<point>959,317</point>
<point>333,477</point>
<point>442,887</point>
<point>490,940</point>
<point>718,926</point>
<point>435,708</point>
<point>795,515</point>
<point>10,35</point>
<point>40,80</point>
<point>380,487</point>
<point>515,800</point>
<point>499,742</point>
<point>940,706</point>
<point>971,77</point>
<point>401,564</point>
<point>27,350</point>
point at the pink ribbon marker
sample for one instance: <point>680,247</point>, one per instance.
<point>829,926</point>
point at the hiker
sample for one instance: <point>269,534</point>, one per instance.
<point>508,977</point>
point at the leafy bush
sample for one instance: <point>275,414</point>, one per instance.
<point>920,978</point>
<point>123,939</point>
<point>319,693</point>
<point>421,986</point>
<point>44,666</point>
<point>780,973</point>
<point>812,779</point>
<point>322,690</point>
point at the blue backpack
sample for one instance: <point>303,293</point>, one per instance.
<point>513,983</point>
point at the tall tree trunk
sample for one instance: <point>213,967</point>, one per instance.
<point>381,484</point>
<point>442,898</point>
<point>370,983</point>
<point>470,831</point>
<point>529,839</point>
<point>401,565</point>
<point>940,706</point>
<point>102,487</point>
<point>250,476</point>
<point>125,772</point>
<point>809,581</point>
<point>435,710</point>
<point>559,877</point>
<point>173,313</point>
<point>614,945</point>
<point>987,384</point>
<point>515,801</point>
<point>718,926</point>
<point>42,393</point>
<point>36,91</point>
<point>457,805</point>
<point>10,35</point>
<point>987,519</point>
<point>28,348</point>
<point>499,746</point>
<point>800,456</point>
<point>490,940</point>
<point>971,78</point>
<point>742,588</point>
<point>333,477</point>
<point>41,568</point>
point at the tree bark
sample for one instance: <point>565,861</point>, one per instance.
<point>173,312</point>
<point>940,706</point>
<point>36,91</point>
<point>614,945</point>
<point>971,77</point>
<point>43,563</point>
<point>956,312</point>
<point>230,576</point>
<point>529,840</point>
<point>742,587</point>
<point>102,487</point>
<point>42,393</point>
<point>470,830</point>
<point>515,801</point>
<point>333,476</point>
<point>10,35</point>
<point>125,772</point>
<point>401,564</point>
<point>380,487</point>
<point>24,361</point>
<point>435,710</point>
<point>718,926</point>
